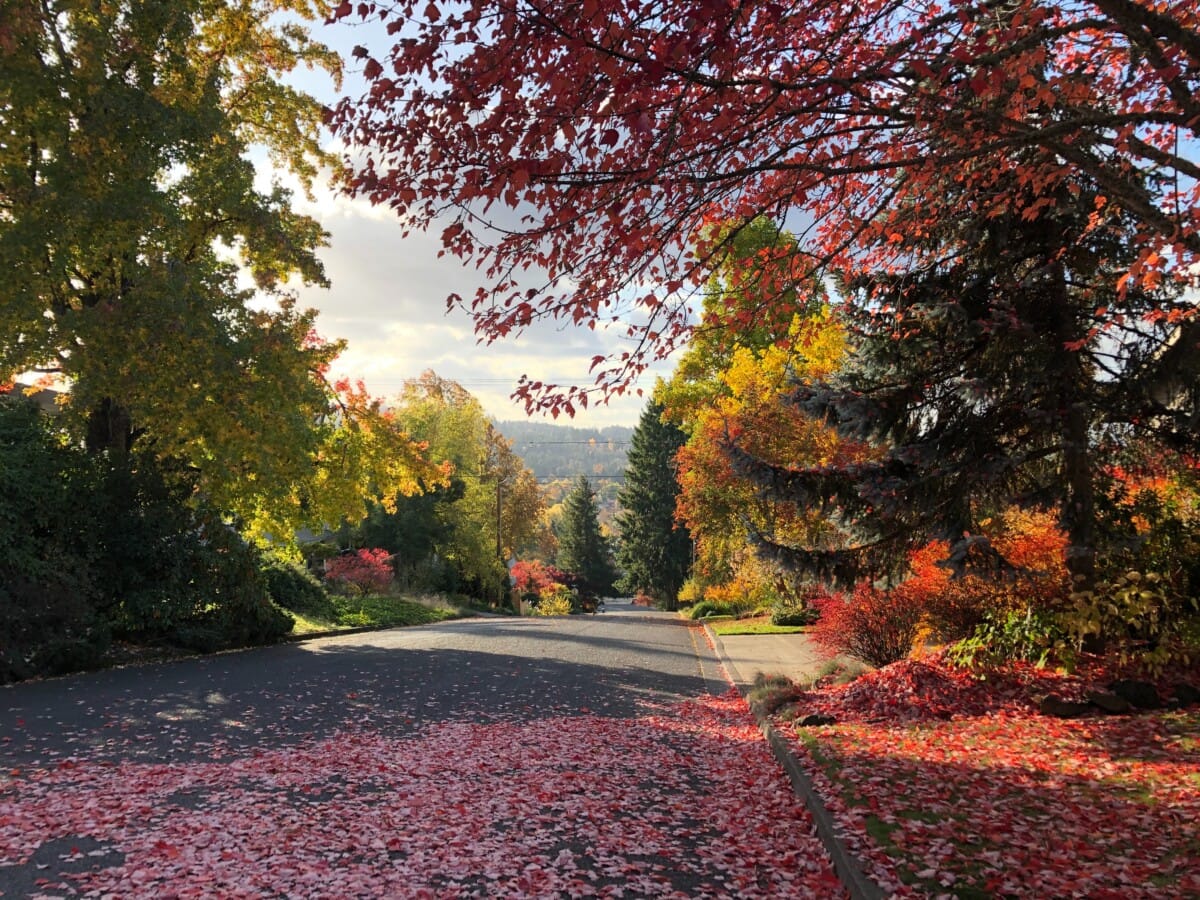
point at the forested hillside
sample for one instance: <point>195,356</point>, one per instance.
<point>560,451</point>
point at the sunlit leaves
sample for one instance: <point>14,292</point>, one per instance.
<point>616,137</point>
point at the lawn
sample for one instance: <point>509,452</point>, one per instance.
<point>949,785</point>
<point>756,625</point>
<point>378,611</point>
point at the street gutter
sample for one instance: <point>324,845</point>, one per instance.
<point>849,868</point>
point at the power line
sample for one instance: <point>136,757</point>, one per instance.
<point>595,443</point>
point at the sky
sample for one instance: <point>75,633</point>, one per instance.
<point>388,300</point>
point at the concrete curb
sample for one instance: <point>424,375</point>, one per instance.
<point>849,868</point>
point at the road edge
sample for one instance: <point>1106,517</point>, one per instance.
<point>849,867</point>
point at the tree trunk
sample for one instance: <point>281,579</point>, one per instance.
<point>109,428</point>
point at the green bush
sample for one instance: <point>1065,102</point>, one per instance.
<point>48,628</point>
<point>794,615</point>
<point>1143,617</point>
<point>92,546</point>
<point>1030,635</point>
<point>293,587</point>
<point>706,608</point>
<point>51,608</point>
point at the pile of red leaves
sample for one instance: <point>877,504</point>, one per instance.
<point>932,688</point>
<point>947,783</point>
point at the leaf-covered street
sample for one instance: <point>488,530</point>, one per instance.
<point>544,758</point>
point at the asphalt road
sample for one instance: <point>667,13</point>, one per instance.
<point>398,763</point>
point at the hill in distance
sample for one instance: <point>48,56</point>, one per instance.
<point>561,451</point>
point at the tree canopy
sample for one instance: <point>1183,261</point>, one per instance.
<point>579,153</point>
<point>448,539</point>
<point>129,207</point>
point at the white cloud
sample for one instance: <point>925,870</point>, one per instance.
<point>388,300</point>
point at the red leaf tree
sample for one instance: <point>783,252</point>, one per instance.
<point>575,152</point>
<point>364,571</point>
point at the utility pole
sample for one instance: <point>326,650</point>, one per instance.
<point>499,543</point>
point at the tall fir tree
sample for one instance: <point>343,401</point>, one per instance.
<point>655,552</point>
<point>583,551</point>
<point>985,376</point>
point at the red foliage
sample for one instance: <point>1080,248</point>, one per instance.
<point>981,796</point>
<point>370,571</point>
<point>876,626</point>
<point>591,123</point>
<point>532,576</point>
<point>1031,542</point>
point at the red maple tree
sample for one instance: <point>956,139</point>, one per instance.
<point>575,152</point>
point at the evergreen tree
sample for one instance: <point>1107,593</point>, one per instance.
<point>583,551</point>
<point>984,377</point>
<point>655,553</point>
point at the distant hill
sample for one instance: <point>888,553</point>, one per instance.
<point>561,451</point>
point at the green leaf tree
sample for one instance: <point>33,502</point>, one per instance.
<point>492,505</point>
<point>655,553</point>
<point>130,213</point>
<point>583,551</point>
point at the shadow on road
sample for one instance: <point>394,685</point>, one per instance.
<point>394,682</point>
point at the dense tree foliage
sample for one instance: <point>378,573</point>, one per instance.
<point>583,550</point>
<point>730,388</point>
<point>128,202</point>
<point>588,146</point>
<point>655,551</point>
<point>457,537</point>
<point>91,550</point>
<point>983,377</point>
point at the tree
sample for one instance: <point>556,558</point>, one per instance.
<point>128,202</point>
<point>596,142</point>
<point>583,551</point>
<point>1002,387</point>
<point>655,552</point>
<point>731,386</point>
<point>490,508</point>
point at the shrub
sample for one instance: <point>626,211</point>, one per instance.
<point>876,626</point>
<point>48,628</point>
<point>554,600</point>
<point>293,587</point>
<point>801,608</point>
<point>531,577</point>
<point>228,596</point>
<point>1141,617</point>
<point>706,608</point>
<point>794,615</point>
<point>1006,635</point>
<point>692,592</point>
<point>361,572</point>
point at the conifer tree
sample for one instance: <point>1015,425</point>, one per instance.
<point>985,376</point>
<point>583,551</point>
<point>655,552</point>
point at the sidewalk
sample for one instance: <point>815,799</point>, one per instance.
<point>795,656</point>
